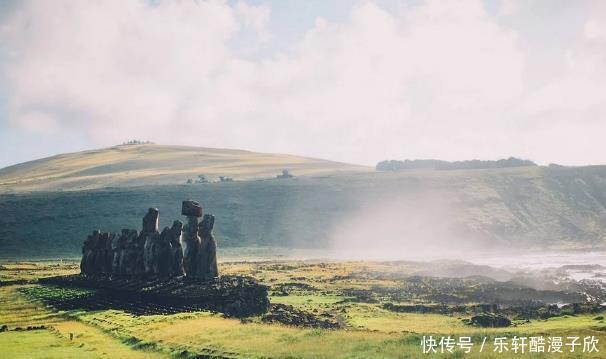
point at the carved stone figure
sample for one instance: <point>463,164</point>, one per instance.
<point>149,238</point>
<point>150,221</point>
<point>88,253</point>
<point>108,253</point>
<point>176,251</point>
<point>190,240</point>
<point>161,250</point>
<point>207,255</point>
<point>179,250</point>
<point>119,246</point>
<point>129,258</point>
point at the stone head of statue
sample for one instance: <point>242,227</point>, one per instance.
<point>206,226</point>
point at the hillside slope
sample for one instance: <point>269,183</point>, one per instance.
<point>149,164</point>
<point>401,212</point>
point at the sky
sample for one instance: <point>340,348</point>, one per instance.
<point>352,81</point>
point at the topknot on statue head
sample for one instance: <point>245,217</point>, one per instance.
<point>191,209</point>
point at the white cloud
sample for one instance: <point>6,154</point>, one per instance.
<point>255,17</point>
<point>440,79</point>
<point>594,30</point>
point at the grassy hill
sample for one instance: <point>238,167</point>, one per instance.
<point>406,211</point>
<point>149,164</point>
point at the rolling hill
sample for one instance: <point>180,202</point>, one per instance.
<point>407,212</point>
<point>150,164</point>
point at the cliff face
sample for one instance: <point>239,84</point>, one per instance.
<point>544,206</point>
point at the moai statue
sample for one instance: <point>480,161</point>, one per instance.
<point>87,254</point>
<point>118,247</point>
<point>100,251</point>
<point>108,253</point>
<point>148,238</point>
<point>92,254</point>
<point>207,256</point>
<point>161,253</point>
<point>176,251</point>
<point>191,241</point>
<point>128,259</point>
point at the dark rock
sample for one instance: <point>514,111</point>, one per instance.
<point>489,320</point>
<point>288,315</point>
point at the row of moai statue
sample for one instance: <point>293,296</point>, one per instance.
<point>189,250</point>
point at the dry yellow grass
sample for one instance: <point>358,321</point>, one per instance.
<point>131,165</point>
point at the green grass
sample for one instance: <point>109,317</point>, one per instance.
<point>39,344</point>
<point>49,293</point>
<point>369,332</point>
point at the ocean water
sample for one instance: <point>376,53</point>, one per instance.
<point>576,265</point>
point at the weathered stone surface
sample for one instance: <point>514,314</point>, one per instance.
<point>150,221</point>
<point>191,245</point>
<point>150,242</point>
<point>150,238</point>
<point>207,255</point>
<point>118,244</point>
<point>161,251</point>
<point>129,260</point>
<point>177,251</point>
<point>87,250</point>
<point>191,209</point>
<point>287,314</point>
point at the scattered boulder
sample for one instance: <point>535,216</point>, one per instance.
<point>489,320</point>
<point>287,314</point>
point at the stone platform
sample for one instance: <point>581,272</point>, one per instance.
<point>236,296</point>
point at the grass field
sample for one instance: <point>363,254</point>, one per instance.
<point>324,289</point>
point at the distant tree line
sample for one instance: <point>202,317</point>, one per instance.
<point>395,165</point>
<point>285,174</point>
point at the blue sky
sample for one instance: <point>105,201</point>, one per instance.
<point>355,81</point>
